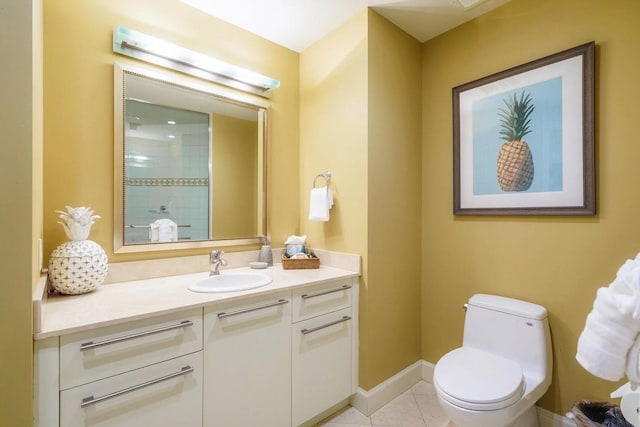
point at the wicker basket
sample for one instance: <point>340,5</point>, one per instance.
<point>300,263</point>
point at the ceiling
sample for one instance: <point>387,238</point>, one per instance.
<point>296,24</point>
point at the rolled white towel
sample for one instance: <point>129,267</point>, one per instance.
<point>626,288</point>
<point>613,325</point>
<point>606,339</point>
<point>632,369</point>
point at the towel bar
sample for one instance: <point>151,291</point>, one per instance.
<point>147,226</point>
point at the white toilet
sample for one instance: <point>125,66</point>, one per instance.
<point>502,368</point>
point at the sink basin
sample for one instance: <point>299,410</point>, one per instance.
<point>230,282</point>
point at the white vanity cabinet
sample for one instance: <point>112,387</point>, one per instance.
<point>324,348</point>
<point>247,362</point>
<point>277,358</point>
<point>146,372</point>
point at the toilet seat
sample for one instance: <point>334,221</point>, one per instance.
<point>477,380</point>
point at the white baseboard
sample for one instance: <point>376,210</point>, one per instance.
<point>369,401</point>
<point>427,371</point>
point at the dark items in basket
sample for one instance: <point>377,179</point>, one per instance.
<point>595,414</point>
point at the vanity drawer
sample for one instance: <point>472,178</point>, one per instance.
<point>92,355</point>
<point>165,394</point>
<point>316,300</point>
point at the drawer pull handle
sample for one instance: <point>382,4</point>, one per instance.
<point>343,288</point>
<point>93,400</point>
<point>91,344</point>
<point>317,328</point>
<point>223,314</point>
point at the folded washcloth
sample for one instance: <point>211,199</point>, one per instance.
<point>296,240</point>
<point>163,230</point>
<point>613,325</point>
<point>320,201</point>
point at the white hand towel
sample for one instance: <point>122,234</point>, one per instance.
<point>320,201</point>
<point>165,230</point>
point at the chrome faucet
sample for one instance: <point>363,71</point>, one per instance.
<point>216,261</point>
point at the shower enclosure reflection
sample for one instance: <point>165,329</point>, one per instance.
<point>166,167</point>
<point>189,164</point>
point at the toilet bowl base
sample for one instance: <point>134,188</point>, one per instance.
<point>466,418</point>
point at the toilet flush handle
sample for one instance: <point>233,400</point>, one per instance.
<point>465,306</point>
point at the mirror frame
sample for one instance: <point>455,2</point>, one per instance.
<point>259,104</point>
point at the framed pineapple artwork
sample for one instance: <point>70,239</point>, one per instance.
<point>523,139</point>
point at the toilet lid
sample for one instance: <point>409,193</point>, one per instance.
<point>475,379</point>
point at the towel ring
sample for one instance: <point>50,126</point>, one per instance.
<point>326,175</point>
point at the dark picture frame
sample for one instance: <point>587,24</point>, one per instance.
<point>545,163</point>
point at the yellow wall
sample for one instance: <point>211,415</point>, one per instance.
<point>558,262</point>
<point>333,134</point>
<point>78,133</point>
<point>333,137</point>
<point>234,147</point>
<point>21,178</point>
<point>359,116</point>
<point>394,200</point>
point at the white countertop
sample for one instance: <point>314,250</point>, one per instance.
<point>125,301</point>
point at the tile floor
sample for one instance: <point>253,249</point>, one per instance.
<point>417,407</point>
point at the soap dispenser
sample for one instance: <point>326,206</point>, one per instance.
<point>265,254</point>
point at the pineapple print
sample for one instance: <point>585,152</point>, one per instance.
<point>515,162</point>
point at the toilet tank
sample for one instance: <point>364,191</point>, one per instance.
<point>514,329</point>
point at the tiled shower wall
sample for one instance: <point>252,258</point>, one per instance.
<point>167,179</point>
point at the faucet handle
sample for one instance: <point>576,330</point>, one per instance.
<point>216,254</point>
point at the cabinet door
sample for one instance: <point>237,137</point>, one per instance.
<point>247,363</point>
<point>321,357</point>
<point>165,394</point>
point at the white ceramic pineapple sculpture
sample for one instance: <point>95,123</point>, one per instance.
<point>80,265</point>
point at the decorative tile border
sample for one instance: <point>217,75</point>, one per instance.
<point>168,182</point>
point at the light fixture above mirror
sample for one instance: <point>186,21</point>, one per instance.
<point>157,51</point>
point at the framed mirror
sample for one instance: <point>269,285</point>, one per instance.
<point>189,163</point>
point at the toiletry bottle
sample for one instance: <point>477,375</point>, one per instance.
<point>265,254</point>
